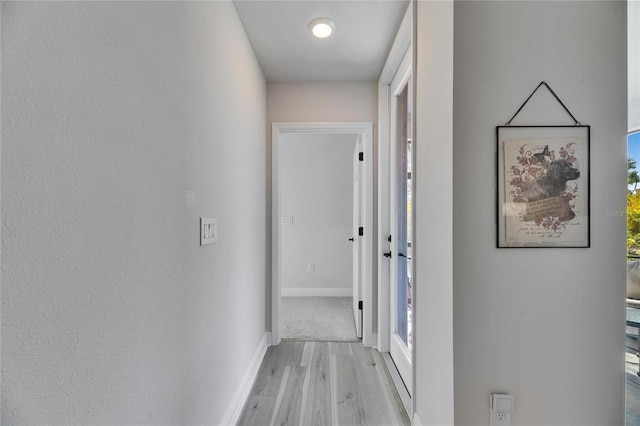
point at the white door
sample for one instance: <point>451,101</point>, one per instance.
<point>356,239</point>
<point>401,303</point>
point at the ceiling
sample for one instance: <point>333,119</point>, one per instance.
<point>286,50</point>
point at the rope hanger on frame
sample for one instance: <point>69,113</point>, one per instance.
<point>576,122</point>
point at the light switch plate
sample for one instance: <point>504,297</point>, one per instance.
<point>208,230</point>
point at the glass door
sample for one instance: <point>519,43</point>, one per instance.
<point>401,223</point>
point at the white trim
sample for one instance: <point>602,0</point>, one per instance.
<point>401,44</point>
<point>403,393</point>
<point>416,420</point>
<point>374,338</point>
<point>414,132</point>
<point>317,292</point>
<point>365,129</point>
<point>384,230</point>
<point>400,353</point>
<point>232,415</point>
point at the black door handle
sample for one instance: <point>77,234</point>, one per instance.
<point>403,255</point>
<point>387,254</point>
<point>351,239</point>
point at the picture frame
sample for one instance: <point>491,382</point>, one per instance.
<point>543,186</point>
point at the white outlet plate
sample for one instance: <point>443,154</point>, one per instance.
<point>500,409</point>
<point>499,418</point>
<point>286,220</point>
<point>208,230</point>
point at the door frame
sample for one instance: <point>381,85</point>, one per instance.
<point>365,130</point>
<point>399,82</point>
<point>402,44</point>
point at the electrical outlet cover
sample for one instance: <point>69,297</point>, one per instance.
<point>500,409</point>
<point>499,418</point>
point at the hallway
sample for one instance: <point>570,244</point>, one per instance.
<point>125,124</point>
<point>323,383</point>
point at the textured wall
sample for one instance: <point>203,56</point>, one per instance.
<point>123,123</point>
<point>545,325</point>
<point>315,186</point>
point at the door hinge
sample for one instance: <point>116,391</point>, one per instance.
<point>360,305</point>
<point>361,156</point>
<point>361,231</point>
<point>409,176</point>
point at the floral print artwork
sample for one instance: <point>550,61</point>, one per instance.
<point>543,191</point>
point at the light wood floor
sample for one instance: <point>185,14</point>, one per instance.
<point>323,383</point>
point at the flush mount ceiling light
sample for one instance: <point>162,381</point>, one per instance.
<point>322,27</point>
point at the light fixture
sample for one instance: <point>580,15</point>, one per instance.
<point>322,27</point>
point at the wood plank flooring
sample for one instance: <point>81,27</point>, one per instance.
<point>323,383</point>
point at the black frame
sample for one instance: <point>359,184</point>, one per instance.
<point>522,208</point>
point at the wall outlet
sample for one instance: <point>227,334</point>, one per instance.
<point>499,418</point>
<point>500,409</point>
<point>312,266</point>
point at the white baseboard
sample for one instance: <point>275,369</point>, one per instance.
<point>317,292</point>
<point>369,340</point>
<point>375,343</point>
<point>232,415</point>
<point>398,383</point>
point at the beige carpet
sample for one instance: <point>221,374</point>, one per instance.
<point>317,319</point>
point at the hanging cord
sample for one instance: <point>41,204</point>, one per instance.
<point>577,123</point>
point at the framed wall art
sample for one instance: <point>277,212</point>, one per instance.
<point>543,186</point>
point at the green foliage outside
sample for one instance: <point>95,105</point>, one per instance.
<point>633,210</point>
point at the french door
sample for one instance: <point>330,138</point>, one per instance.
<point>401,238</point>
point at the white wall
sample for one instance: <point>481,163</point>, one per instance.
<point>123,124</point>
<point>315,184</point>
<point>433,382</point>
<point>546,325</point>
<point>321,102</point>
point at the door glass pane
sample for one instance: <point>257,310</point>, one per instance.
<point>404,302</point>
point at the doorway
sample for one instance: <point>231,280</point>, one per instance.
<point>316,266</point>
<point>307,256</point>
